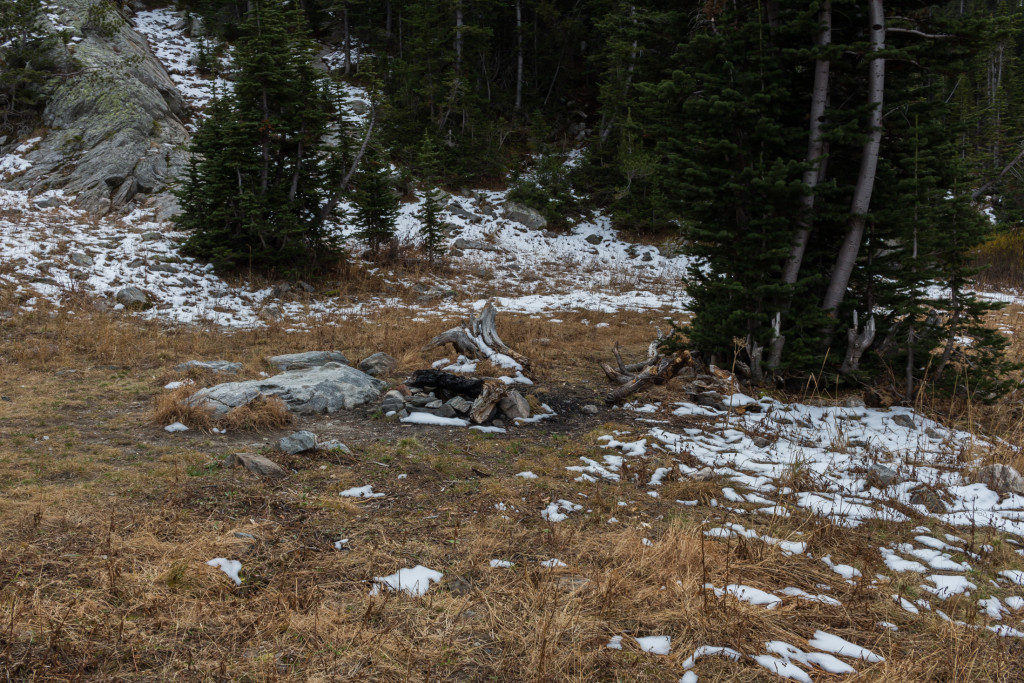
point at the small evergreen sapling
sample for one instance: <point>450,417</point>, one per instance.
<point>376,205</point>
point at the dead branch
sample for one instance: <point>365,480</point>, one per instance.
<point>652,375</point>
<point>478,338</point>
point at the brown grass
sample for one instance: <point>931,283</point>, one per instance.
<point>108,523</point>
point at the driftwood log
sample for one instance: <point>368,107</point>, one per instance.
<point>478,338</point>
<point>658,368</point>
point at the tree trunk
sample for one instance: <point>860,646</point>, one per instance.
<point>458,38</point>
<point>814,173</point>
<point>519,55</point>
<point>861,203</point>
<point>348,41</point>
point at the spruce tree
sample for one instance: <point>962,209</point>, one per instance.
<point>27,64</point>
<point>376,204</point>
<point>431,228</point>
<point>261,169</point>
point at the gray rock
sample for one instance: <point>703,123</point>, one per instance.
<point>460,405</point>
<point>257,464</point>
<point>298,442</point>
<point>904,421</point>
<point>854,401</point>
<point>445,411</point>
<point>336,446</point>
<point>514,405</point>
<point>307,359</point>
<point>338,386</point>
<point>881,476</point>
<point>456,210</point>
<point>223,366</point>
<point>81,259</point>
<point>377,364</point>
<point>929,499</point>
<point>1001,479</point>
<point>272,312</point>
<point>647,257</point>
<point>524,215</point>
<point>594,239</point>
<point>704,474</point>
<point>421,400</point>
<point>48,202</point>
<point>393,402</point>
<point>761,442</point>
<point>434,405</point>
<point>589,409</point>
<point>164,268</point>
<point>498,423</point>
<point>462,243</point>
<point>114,123</point>
<point>358,107</point>
<point>132,297</point>
<point>137,263</point>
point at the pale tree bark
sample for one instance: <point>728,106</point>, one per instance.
<point>458,39</point>
<point>348,41</point>
<point>814,173</point>
<point>519,55</point>
<point>861,203</point>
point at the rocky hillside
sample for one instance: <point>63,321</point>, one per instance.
<point>113,129</point>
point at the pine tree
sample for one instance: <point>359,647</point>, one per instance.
<point>27,64</point>
<point>376,204</point>
<point>261,169</point>
<point>431,228</point>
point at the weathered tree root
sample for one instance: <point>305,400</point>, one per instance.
<point>478,338</point>
<point>634,378</point>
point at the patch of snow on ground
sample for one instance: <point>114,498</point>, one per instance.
<point>414,581</point>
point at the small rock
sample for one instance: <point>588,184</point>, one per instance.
<point>335,445</point>
<point>761,442</point>
<point>500,424</point>
<point>514,405</point>
<point>456,210</point>
<point>298,442</point>
<point>132,297</point>
<point>904,420</point>
<point>881,476</point>
<point>48,202</point>
<point>151,236</point>
<point>594,239</point>
<point>462,243</point>
<point>524,215</point>
<point>647,257</point>
<point>137,263</point>
<point>305,287</point>
<point>1001,479</point>
<point>257,464</point>
<point>393,401</point>
<point>704,474</point>
<point>421,400</point>
<point>272,312</point>
<point>589,409</point>
<point>445,410</point>
<point>211,365</point>
<point>932,433</point>
<point>81,259</point>
<point>854,401</point>
<point>378,364</point>
<point>460,405</point>
<point>164,268</point>
<point>308,359</point>
<point>929,499</point>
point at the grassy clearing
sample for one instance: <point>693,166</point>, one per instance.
<point>107,524</point>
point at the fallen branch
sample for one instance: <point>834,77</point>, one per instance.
<point>658,368</point>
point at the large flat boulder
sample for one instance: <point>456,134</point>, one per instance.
<point>307,359</point>
<point>322,389</point>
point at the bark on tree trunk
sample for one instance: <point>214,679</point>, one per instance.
<point>814,173</point>
<point>519,55</point>
<point>348,42</point>
<point>861,203</point>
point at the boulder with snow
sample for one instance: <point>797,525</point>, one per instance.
<point>524,215</point>
<point>307,359</point>
<point>323,389</point>
<point>1001,479</point>
<point>377,364</point>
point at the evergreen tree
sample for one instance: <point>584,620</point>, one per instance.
<point>431,228</point>
<point>27,64</point>
<point>261,171</point>
<point>376,204</point>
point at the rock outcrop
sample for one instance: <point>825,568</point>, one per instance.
<point>115,130</point>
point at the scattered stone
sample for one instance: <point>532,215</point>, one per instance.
<point>257,464</point>
<point>445,411</point>
<point>358,107</point>
<point>589,409</point>
<point>904,421</point>
<point>421,400</point>
<point>703,474</point>
<point>336,446</point>
<point>435,404</point>
<point>647,257</point>
<point>48,202</point>
<point>460,405</point>
<point>393,402</point>
<point>932,433</point>
<point>854,401</point>
<point>929,499</point>
<point>462,243</point>
<point>761,442</point>
<point>456,210</point>
<point>881,476</point>
<point>151,236</point>
<point>524,215</point>
<point>132,297</point>
<point>272,312</point>
<point>514,405</point>
<point>1001,479</point>
<point>298,442</point>
<point>164,268</point>
<point>307,359</point>
<point>137,263</point>
<point>710,399</point>
<point>305,287</point>
<point>594,239</point>
<point>378,364</point>
<point>81,259</point>
<point>331,387</point>
<point>223,366</point>
<point>500,424</point>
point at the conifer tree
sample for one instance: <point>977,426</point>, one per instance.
<point>27,64</point>
<point>431,229</point>
<point>376,204</point>
<point>261,169</point>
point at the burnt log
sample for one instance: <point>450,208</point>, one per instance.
<point>446,382</point>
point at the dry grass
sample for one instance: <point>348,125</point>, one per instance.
<point>107,524</point>
<point>1002,259</point>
